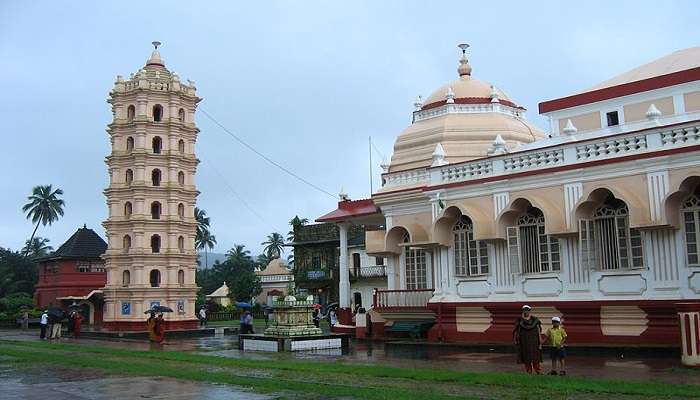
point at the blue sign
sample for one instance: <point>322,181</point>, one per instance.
<point>126,308</point>
<point>181,306</point>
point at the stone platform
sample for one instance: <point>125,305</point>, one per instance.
<point>260,342</point>
<point>177,333</point>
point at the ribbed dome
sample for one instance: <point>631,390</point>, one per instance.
<point>466,87</point>
<point>464,123</point>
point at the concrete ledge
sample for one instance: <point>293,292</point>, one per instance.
<point>260,342</point>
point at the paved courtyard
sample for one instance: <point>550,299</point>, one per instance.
<point>69,384</point>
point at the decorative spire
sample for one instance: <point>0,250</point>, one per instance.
<point>653,113</point>
<point>418,104</point>
<point>342,195</point>
<point>569,129</point>
<point>384,165</point>
<point>438,156</point>
<point>155,56</point>
<point>494,95</point>
<point>450,95</point>
<point>464,68</point>
<point>498,146</point>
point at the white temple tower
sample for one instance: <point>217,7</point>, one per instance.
<point>151,197</point>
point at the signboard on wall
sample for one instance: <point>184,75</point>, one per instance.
<point>181,306</point>
<point>126,308</point>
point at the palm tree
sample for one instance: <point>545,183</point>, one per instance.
<point>238,252</point>
<point>205,240</point>
<point>44,207</point>
<point>38,247</point>
<point>202,220</point>
<point>295,223</point>
<point>273,245</point>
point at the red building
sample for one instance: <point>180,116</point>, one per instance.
<point>74,273</point>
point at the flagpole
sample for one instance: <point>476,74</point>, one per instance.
<point>370,167</point>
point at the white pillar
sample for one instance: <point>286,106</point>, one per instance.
<point>445,267</point>
<point>429,273</point>
<point>391,272</point>
<point>402,269</point>
<point>344,287</point>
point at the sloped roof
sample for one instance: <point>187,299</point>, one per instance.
<point>85,244</point>
<point>222,291</point>
<point>677,61</point>
<point>275,267</point>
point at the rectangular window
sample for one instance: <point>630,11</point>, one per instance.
<point>471,256</point>
<point>83,267</point>
<point>613,118</point>
<point>690,220</point>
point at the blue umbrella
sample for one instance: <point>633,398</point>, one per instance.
<point>243,305</point>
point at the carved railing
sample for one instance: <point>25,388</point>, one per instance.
<point>415,298</point>
<point>375,271</point>
<point>582,148</point>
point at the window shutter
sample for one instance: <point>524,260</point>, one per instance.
<point>513,236</point>
<point>587,253</point>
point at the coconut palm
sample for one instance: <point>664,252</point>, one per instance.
<point>295,223</point>
<point>273,245</point>
<point>38,247</point>
<point>205,240</point>
<point>238,252</point>
<point>45,207</point>
<point>202,219</point>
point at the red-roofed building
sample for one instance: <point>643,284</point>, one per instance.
<point>74,273</point>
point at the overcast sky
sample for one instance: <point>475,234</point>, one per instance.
<point>306,83</point>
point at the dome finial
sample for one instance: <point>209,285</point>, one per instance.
<point>464,68</point>
<point>155,56</point>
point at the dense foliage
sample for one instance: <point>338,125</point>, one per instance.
<point>18,275</point>
<point>238,271</point>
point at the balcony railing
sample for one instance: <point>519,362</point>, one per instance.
<point>414,298</point>
<point>375,271</point>
<point>630,139</point>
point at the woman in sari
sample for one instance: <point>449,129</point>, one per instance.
<point>527,335</point>
<point>151,326</point>
<point>77,323</point>
<point>159,329</point>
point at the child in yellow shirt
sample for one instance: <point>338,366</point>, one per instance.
<point>556,336</point>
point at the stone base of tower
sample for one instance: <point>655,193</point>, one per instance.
<point>136,326</point>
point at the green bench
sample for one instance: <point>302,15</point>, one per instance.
<point>415,329</point>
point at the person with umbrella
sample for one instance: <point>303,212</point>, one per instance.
<point>77,323</point>
<point>317,315</point>
<point>159,328</point>
<point>56,316</point>
<point>151,325</point>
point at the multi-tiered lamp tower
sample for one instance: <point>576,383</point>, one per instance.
<point>151,197</point>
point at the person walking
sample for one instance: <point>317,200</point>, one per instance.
<point>56,326</point>
<point>151,326</point>
<point>556,335</point>
<point>43,323</point>
<point>332,317</point>
<point>317,317</point>
<point>159,329</point>
<point>77,324</point>
<point>25,320</point>
<point>249,322</point>
<point>527,335</point>
<point>202,317</point>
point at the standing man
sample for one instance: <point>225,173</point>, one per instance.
<point>25,319</point>
<point>202,317</point>
<point>56,325</point>
<point>527,335</point>
<point>43,323</point>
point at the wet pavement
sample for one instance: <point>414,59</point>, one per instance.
<point>67,384</point>
<point>659,369</point>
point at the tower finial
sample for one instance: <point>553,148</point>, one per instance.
<point>464,67</point>
<point>156,44</point>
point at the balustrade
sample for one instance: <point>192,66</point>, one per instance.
<point>417,298</point>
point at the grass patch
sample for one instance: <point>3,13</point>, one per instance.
<point>322,378</point>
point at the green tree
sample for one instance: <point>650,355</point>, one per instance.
<point>44,207</point>
<point>263,260</point>
<point>18,273</point>
<point>239,274</point>
<point>295,223</point>
<point>273,245</point>
<point>206,241</point>
<point>238,252</point>
<point>38,247</point>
